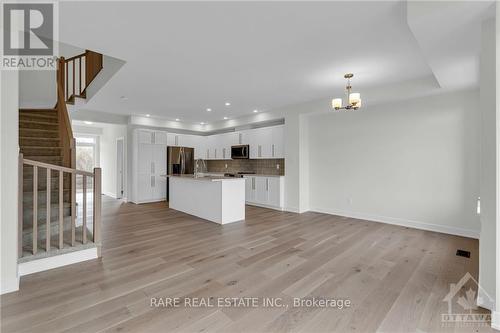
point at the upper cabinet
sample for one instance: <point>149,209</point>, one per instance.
<point>172,139</point>
<point>152,137</point>
<point>218,146</point>
<point>278,142</point>
<point>265,142</point>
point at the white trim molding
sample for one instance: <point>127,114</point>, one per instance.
<point>402,222</point>
<point>44,264</point>
<point>495,320</point>
<point>9,286</point>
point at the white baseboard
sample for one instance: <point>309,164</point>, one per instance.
<point>292,210</point>
<point>109,194</point>
<point>264,206</point>
<point>138,202</point>
<point>402,222</point>
<point>495,320</point>
<point>44,264</point>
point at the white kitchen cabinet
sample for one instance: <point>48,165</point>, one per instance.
<point>144,136</point>
<point>267,191</point>
<point>261,190</point>
<point>265,138</point>
<point>149,163</point>
<point>227,140</point>
<point>159,138</point>
<point>172,139</point>
<point>199,147</point>
<point>275,191</point>
<point>262,142</point>
<point>249,189</point>
<point>151,137</point>
<point>144,188</point>
<point>278,141</point>
<point>218,146</point>
<point>145,151</point>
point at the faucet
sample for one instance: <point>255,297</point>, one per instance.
<point>199,164</point>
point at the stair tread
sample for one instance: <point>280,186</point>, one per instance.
<point>36,121</point>
<point>38,114</point>
<point>38,129</point>
<point>40,147</point>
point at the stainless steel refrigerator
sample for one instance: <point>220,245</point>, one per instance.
<point>180,160</point>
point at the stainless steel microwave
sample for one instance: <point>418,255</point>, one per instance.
<point>240,152</point>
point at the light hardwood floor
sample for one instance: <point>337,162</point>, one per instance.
<point>395,277</point>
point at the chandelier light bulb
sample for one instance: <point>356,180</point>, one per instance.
<point>337,103</point>
<point>354,98</point>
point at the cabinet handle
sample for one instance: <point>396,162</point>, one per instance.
<point>240,138</point>
<point>152,167</point>
<point>223,152</point>
<point>260,151</point>
<point>273,149</point>
<point>208,153</point>
<point>253,183</point>
<point>215,155</point>
<point>176,140</point>
<point>267,184</point>
<point>152,181</point>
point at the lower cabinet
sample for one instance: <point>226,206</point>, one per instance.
<point>265,191</point>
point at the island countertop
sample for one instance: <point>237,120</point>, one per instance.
<point>203,177</point>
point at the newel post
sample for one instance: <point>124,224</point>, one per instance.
<point>60,79</point>
<point>97,209</point>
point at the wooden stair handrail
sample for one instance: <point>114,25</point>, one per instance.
<point>57,168</point>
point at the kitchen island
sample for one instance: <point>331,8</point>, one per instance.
<point>217,199</point>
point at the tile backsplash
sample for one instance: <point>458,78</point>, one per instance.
<point>258,166</point>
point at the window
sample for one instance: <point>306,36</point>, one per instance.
<point>86,152</point>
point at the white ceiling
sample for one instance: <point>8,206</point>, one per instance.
<point>182,58</point>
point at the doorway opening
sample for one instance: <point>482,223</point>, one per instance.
<point>120,165</point>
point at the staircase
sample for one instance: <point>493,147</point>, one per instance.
<point>47,174</point>
<point>39,140</point>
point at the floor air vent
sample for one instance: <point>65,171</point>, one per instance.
<point>463,253</point>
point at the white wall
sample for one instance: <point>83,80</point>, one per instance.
<point>109,157</point>
<point>488,161</point>
<point>39,89</point>
<point>413,163</point>
<point>9,151</point>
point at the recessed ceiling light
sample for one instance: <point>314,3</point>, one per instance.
<point>148,115</point>
<point>209,109</point>
<point>255,111</point>
<point>177,119</point>
<point>202,123</point>
<point>227,103</point>
<point>226,118</point>
<point>88,122</point>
